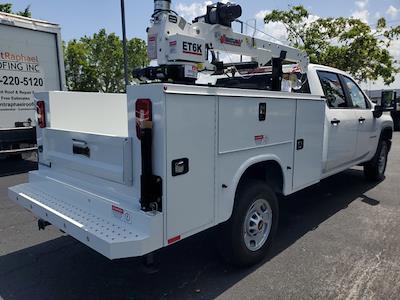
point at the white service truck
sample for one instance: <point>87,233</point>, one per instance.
<point>130,174</point>
<point>31,60</point>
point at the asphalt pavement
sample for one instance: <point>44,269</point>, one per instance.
<point>338,239</point>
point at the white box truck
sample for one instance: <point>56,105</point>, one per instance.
<point>31,61</point>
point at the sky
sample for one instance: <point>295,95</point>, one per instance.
<point>85,17</point>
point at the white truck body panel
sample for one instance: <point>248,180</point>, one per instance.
<point>110,156</point>
<point>307,167</point>
<point>198,135</point>
<point>367,134</point>
<point>91,112</point>
<point>189,121</point>
<point>342,141</point>
<point>220,133</point>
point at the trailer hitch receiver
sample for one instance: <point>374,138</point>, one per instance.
<point>42,224</point>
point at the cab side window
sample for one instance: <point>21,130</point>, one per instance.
<point>333,89</point>
<point>356,95</point>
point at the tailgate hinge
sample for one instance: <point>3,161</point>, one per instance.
<point>151,193</point>
<point>150,184</point>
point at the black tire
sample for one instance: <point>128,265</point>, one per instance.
<point>396,121</point>
<point>16,157</point>
<point>232,243</point>
<point>374,170</point>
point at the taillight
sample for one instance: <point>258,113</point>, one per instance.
<point>41,114</point>
<point>143,114</point>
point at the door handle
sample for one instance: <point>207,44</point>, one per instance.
<point>335,122</point>
<point>80,148</point>
<point>361,120</point>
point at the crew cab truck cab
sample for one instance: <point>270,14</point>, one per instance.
<point>127,175</point>
<point>354,127</point>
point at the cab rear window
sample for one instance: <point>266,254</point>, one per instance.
<point>333,89</point>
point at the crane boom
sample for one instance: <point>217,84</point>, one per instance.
<point>182,49</point>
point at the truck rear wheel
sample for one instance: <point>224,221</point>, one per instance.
<point>375,169</point>
<point>248,235</point>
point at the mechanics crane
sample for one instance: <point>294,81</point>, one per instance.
<point>184,49</point>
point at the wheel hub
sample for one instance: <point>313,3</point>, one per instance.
<point>260,225</point>
<point>257,224</point>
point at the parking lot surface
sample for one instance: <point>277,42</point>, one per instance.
<point>337,240</point>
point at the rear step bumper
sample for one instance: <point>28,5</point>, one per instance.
<point>96,223</point>
<point>17,151</point>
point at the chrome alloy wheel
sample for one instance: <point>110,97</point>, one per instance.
<point>257,225</point>
<point>382,159</point>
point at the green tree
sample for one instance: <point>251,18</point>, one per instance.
<point>344,43</point>
<point>95,63</point>
<point>7,8</point>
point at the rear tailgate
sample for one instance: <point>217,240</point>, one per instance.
<point>104,156</point>
<point>84,185</point>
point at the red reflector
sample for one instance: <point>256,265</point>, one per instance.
<point>41,114</point>
<point>117,209</point>
<point>143,113</point>
<point>174,239</point>
<point>258,137</point>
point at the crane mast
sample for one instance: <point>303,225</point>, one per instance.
<point>183,49</point>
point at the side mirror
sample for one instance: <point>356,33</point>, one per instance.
<point>388,100</point>
<point>378,111</point>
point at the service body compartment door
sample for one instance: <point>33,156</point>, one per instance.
<point>310,118</point>
<point>191,149</point>
<point>104,156</point>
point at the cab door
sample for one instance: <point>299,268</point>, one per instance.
<point>340,124</point>
<point>366,124</point>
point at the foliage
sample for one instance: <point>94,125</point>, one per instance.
<point>7,8</point>
<point>345,43</point>
<point>26,12</point>
<point>95,63</point>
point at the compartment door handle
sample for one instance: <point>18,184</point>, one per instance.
<point>335,122</point>
<point>80,148</point>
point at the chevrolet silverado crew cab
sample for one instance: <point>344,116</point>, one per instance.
<point>129,174</point>
<point>211,155</point>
